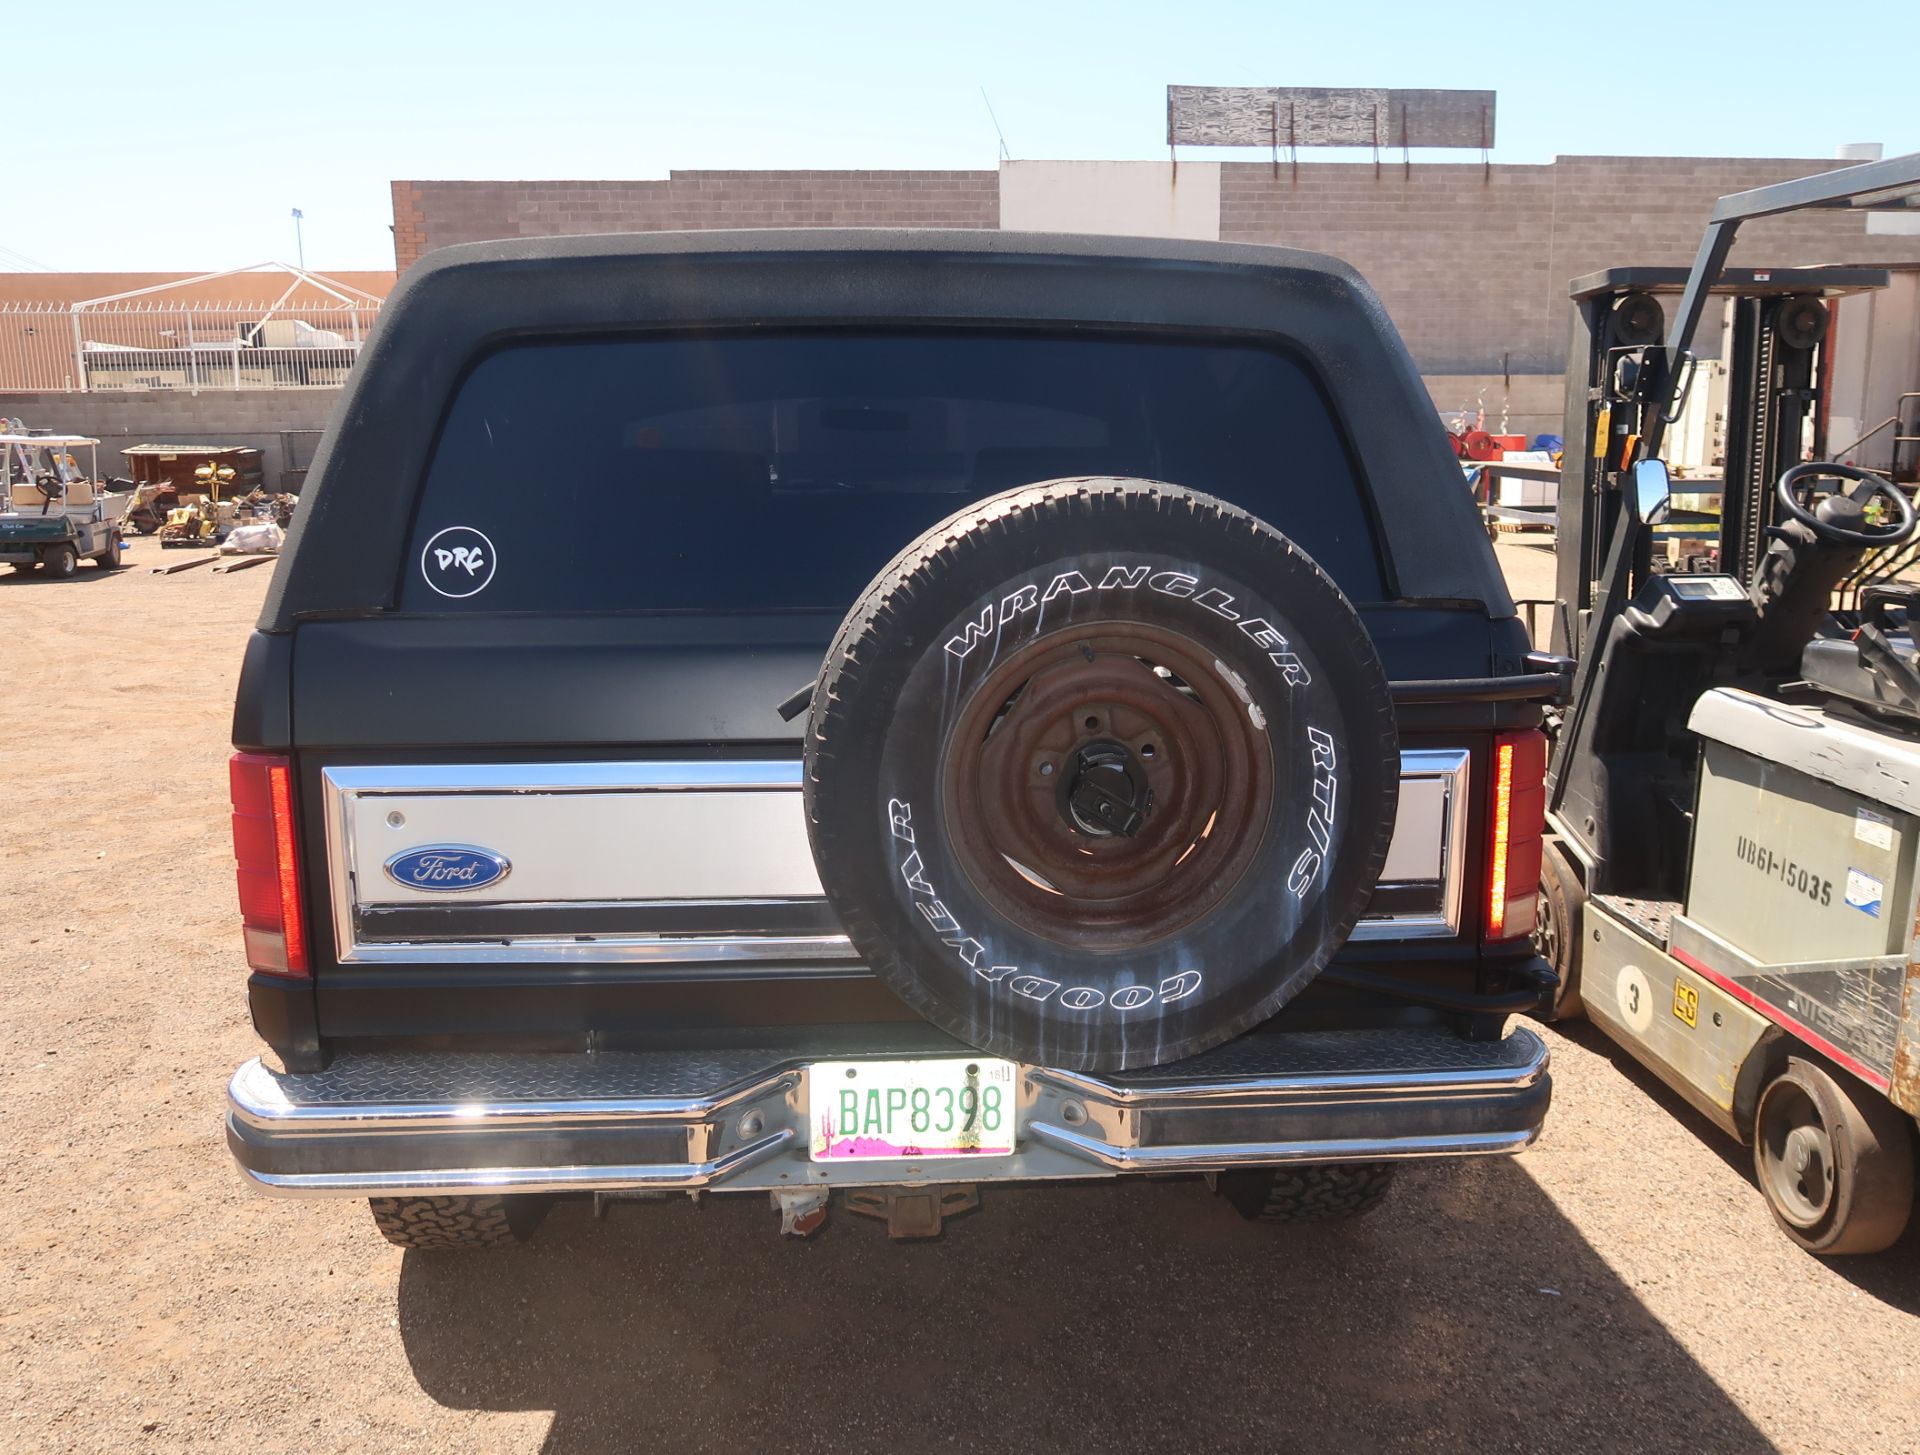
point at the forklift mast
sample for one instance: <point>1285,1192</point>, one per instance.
<point>1775,347</point>
<point>1620,782</point>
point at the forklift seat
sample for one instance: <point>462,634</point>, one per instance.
<point>1846,668</point>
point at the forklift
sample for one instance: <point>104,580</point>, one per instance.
<point>1729,887</point>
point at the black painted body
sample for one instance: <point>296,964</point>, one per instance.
<point>339,673</point>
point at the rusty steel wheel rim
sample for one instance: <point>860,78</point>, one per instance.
<point>1107,787</point>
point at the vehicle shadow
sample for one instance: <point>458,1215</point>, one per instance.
<point>87,572</point>
<point>1892,1277</point>
<point>1469,1314</point>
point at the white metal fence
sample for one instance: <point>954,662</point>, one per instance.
<point>143,343</point>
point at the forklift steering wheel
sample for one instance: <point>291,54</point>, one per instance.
<point>1840,516</point>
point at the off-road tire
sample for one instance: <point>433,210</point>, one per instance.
<point>1063,604</point>
<point>1317,1192</point>
<point>454,1222</point>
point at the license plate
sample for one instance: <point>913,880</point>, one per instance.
<point>878,1110</point>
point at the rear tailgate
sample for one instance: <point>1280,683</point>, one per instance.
<point>637,786</point>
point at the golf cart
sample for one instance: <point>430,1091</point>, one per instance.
<point>55,514</point>
<point>1734,795</point>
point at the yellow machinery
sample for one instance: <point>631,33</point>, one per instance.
<point>202,519</point>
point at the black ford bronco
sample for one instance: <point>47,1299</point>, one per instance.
<point>882,713</point>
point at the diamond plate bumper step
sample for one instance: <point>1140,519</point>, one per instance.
<point>437,1123</point>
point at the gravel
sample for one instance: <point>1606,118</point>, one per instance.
<point>1621,1286</point>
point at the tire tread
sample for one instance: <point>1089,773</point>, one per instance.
<point>443,1222</point>
<point>1318,1192</point>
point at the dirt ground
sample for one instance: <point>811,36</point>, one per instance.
<point>1620,1287</point>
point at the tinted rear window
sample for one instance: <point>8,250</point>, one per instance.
<point>782,472</point>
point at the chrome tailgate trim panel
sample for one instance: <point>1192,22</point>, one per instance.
<point>662,833</point>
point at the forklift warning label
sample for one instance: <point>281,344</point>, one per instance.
<point>1872,828</point>
<point>1863,892</point>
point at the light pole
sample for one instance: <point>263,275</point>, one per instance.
<point>299,244</point>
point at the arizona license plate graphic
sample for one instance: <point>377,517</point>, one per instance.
<point>879,1110</point>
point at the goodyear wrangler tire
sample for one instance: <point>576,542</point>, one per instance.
<point>1100,773</point>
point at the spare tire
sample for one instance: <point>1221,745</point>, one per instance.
<point>1100,773</point>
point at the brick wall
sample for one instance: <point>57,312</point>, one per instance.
<point>1474,263</point>
<point>429,215</point>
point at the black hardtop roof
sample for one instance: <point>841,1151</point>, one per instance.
<point>460,302</point>
<point>981,242</point>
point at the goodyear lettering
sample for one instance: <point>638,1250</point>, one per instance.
<point>1179,987</point>
<point>900,819</point>
<point>914,872</point>
<point>1034,987</point>
<point>974,955</point>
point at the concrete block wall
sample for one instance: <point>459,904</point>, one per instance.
<point>1473,263</point>
<point>281,423</point>
<point>1532,404</point>
<point>1459,256</point>
<point>835,199</point>
<point>435,214</point>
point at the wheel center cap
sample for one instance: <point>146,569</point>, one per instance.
<point>1105,792</point>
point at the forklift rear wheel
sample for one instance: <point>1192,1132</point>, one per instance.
<point>62,561</point>
<point>1834,1159</point>
<point>1556,936</point>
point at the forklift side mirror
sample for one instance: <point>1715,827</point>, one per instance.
<point>1651,487</point>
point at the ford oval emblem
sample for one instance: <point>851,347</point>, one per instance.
<point>447,868</point>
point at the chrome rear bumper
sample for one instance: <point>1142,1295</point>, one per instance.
<point>426,1123</point>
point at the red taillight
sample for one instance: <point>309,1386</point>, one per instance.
<point>1516,820</point>
<point>266,851</point>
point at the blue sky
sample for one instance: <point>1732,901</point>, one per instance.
<point>191,130</point>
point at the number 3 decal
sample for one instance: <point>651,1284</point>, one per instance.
<point>1634,997</point>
